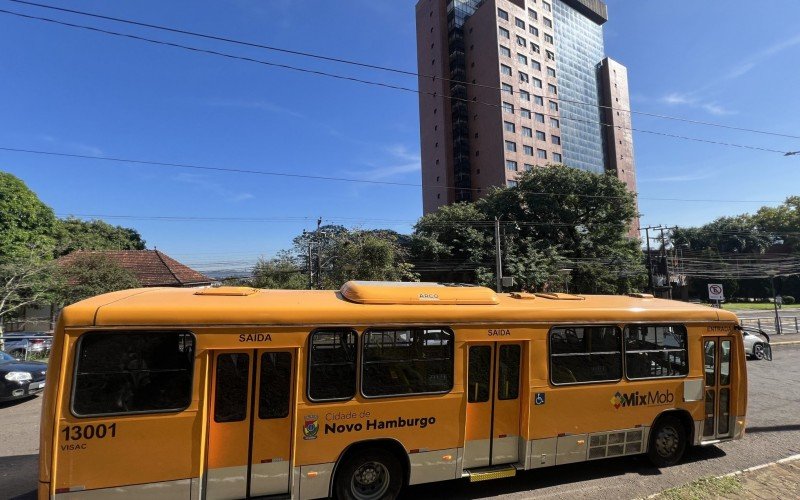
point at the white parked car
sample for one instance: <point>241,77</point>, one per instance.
<point>756,344</point>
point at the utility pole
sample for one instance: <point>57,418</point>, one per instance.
<point>775,304</point>
<point>310,269</point>
<point>319,257</point>
<point>650,283</point>
<point>499,258</point>
<point>666,264</point>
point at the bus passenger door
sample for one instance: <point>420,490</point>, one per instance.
<point>249,424</point>
<point>717,368</point>
<point>493,404</point>
<point>272,424</point>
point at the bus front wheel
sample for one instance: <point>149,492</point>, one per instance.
<point>667,442</point>
<point>373,474</point>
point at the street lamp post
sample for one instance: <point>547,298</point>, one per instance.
<point>566,272</point>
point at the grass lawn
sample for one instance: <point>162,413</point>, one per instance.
<point>757,306</point>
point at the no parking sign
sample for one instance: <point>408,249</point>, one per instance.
<point>715,292</point>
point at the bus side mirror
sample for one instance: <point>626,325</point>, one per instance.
<point>768,352</point>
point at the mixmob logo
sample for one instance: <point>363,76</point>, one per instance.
<point>642,399</point>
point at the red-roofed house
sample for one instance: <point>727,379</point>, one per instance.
<point>151,267</point>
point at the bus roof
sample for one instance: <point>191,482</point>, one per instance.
<point>172,307</point>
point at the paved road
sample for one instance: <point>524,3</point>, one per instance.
<point>790,319</point>
<point>773,433</point>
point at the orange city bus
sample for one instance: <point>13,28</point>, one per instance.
<point>236,392</point>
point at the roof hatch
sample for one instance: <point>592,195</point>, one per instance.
<point>227,291</point>
<point>389,292</point>
<point>560,296</point>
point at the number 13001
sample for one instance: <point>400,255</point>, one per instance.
<point>99,431</point>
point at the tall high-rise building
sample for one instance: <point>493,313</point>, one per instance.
<point>509,85</point>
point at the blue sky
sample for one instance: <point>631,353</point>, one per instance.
<point>86,93</point>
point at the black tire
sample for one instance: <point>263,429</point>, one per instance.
<point>667,442</point>
<point>371,474</point>
<point>758,351</point>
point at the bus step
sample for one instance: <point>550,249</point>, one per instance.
<point>488,473</point>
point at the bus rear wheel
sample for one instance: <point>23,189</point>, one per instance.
<point>373,474</point>
<point>667,442</point>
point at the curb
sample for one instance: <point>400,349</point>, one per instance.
<point>788,459</point>
<point>763,466</point>
<point>785,342</point>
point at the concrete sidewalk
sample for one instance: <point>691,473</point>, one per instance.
<point>777,480</point>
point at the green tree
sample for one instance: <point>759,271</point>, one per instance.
<point>24,280</point>
<point>88,274</point>
<point>556,218</point>
<point>783,221</point>
<point>74,234</point>
<point>282,272</point>
<point>25,222</point>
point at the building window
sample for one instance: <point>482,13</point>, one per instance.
<point>521,41</point>
<point>655,351</point>
<point>519,22</point>
<point>553,106</point>
<point>133,372</point>
<point>527,132</point>
<point>528,167</point>
<point>552,89</point>
<point>506,70</point>
<point>551,56</point>
<point>557,157</point>
<point>535,48</point>
<point>332,365</point>
<point>508,107</point>
<point>511,146</point>
<point>540,117</point>
<point>523,77</point>
<point>536,65</point>
<point>537,83</point>
<point>522,59</point>
<point>511,165</point>
<point>551,72</point>
<point>505,51</point>
<point>555,139</point>
<point>546,6</point>
<point>504,33</point>
<point>508,88</point>
<point>502,14</point>
<point>524,95</point>
<point>580,354</point>
<point>532,15</point>
<point>540,136</point>
<point>548,38</point>
<point>511,184</point>
<point>554,123</point>
<point>541,154</point>
<point>525,113</point>
<point>509,127</point>
<point>533,30</point>
<point>548,22</point>
<point>528,150</point>
<point>539,100</point>
<point>405,362</point>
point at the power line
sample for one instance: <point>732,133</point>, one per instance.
<point>374,83</point>
<point>343,179</point>
<point>382,68</point>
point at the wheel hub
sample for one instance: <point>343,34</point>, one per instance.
<point>370,481</point>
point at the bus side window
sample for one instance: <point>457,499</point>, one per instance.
<point>127,372</point>
<point>408,361</point>
<point>653,351</point>
<point>332,365</point>
<point>580,354</point>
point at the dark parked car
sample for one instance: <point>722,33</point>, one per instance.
<point>26,344</point>
<point>19,379</point>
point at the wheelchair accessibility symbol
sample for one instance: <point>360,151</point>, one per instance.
<point>539,398</point>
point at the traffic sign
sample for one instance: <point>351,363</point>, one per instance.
<point>715,292</point>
